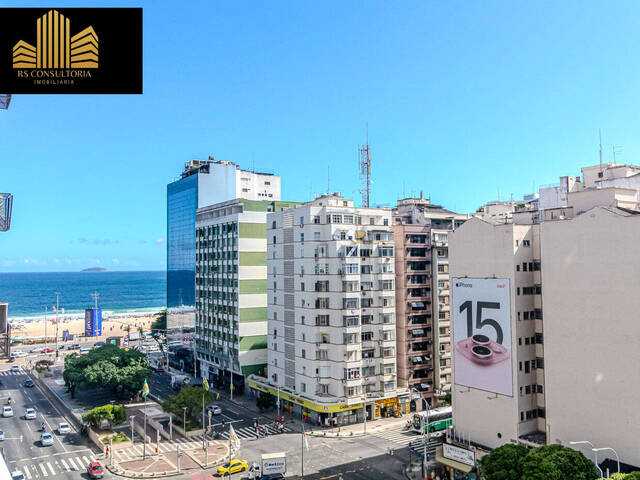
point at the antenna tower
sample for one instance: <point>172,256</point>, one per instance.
<point>600,137</point>
<point>365,171</point>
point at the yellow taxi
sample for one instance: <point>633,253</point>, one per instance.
<point>234,466</point>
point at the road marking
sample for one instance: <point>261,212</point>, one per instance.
<point>72,463</point>
<point>53,472</point>
<point>44,471</point>
<point>66,467</point>
<point>26,472</point>
<point>85,460</point>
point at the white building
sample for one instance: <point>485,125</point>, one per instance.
<point>571,266</point>
<point>331,312</point>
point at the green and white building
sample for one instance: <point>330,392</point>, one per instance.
<point>231,289</point>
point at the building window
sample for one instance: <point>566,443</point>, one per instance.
<point>368,354</point>
<point>301,221</point>
<point>316,219</point>
<point>336,218</point>
<point>302,286</point>
<point>527,368</point>
<point>316,235</point>
<point>274,239</point>
<point>303,387</point>
<point>302,237</point>
<point>366,337</point>
<point>303,353</point>
<point>526,243</point>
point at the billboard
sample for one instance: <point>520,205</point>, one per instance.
<point>482,334</point>
<point>93,322</point>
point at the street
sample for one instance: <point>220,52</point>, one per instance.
<point>69,455</point>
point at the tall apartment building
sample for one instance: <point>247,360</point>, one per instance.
<point>202,183</point>
<point>331,312</point>
<point>421,232</point>
<point>231,289</point>
<point>570,264</point>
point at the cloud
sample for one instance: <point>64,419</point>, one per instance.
<point>97,241</point>
<point>116,261</point>
<point>30,261</point>
<point>159,240</point>
<point>56,260</point>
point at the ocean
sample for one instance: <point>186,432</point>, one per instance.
<point>29,293</point>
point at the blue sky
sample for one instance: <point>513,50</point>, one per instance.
<point>463,99</point>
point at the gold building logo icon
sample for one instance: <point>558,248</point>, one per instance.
<point>55,47</point>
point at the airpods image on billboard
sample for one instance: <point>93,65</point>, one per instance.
<point>482,334</point>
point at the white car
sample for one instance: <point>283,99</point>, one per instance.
<point>214,409</point>
<point>19,354</point>
<point>30,414</point>
<point>1,434</point>
<point>64,428</point>
<point>36,350</point>
<point>46,439</point>
<point>17,475</point>
<point>7,411</point>
<point>15,368</point>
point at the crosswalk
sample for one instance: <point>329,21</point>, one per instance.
<point>406,437</point>
<point>11,372</point>
<point>51,467</point>
<point>192,443</point>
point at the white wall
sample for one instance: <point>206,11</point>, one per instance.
<point>591,301</point>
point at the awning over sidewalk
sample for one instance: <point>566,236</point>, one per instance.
<point>452,463</point>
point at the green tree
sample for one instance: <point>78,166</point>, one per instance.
<point>190,397</point>
<point>265,401</point>
<point>106,367</point>
<point>556,462</point>
<point>114,414</point>
<point>159,329</point>
<point>504,463</point>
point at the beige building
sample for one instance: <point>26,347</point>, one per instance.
<point>571,265</point>
<point>421,232</point>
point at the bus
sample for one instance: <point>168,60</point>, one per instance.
<point>439,419</point>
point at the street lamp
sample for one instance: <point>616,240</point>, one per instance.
<point>184,419</point>
<point>608,448</point>
<point>586,442</point>
<point>424,423</point>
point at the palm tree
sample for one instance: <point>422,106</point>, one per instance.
<point>128,330</point>
<point>140,332</point>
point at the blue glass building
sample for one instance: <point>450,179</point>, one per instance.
<point>182,203</point>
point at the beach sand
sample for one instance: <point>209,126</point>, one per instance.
<point>111,327</point>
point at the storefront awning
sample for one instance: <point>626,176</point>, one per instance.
<point>461,467</point>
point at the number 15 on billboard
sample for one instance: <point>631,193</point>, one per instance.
<point>482,334</point>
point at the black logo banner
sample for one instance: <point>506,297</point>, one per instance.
<point>71,50</point>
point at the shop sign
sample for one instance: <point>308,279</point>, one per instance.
<point>458,454</point>
<point>387,402</point>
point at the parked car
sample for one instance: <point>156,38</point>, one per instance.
<point>15,368</point>
<point>74,346</point>
<point>234,466</point>
<point>20,354</point>
<point>17,475</point>
<point>214,409</point>
<point>48,350</point>
<point>46,439</point>
<point>29,383</point>
<point>12,359</point>
<point>36,350</point>
<point>7,411</point>
<point>95,470</point>
<point>30,414</point>
<point>1,434</point>
<point>64,428</point>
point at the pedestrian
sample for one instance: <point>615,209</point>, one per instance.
<point>257,433</point>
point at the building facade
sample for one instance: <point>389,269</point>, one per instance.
<point>202,183</point>
<point>331,313</point>
<point>231,289</point>
<point>421,232</point>
<point>570,262</point>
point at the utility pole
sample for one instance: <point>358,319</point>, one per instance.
<point>231,373</point>
<point>302,456</point>
<point>178,457</point>
<point>57,309</point>
<point>45,327</point>
<point>364,407</point>
<point>204,436</point>
<point>144,440</point>
<point>131,418</point>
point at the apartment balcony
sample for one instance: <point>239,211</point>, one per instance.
<point>538,325</point>
<point>539,350</point>
<point>444,307</point>
<point>537,301</point>
<point>537,277</point>
<point>540,403</point>
<point>419,361</point>
<point>540,376</point>
<point>351,382</point>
